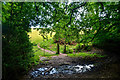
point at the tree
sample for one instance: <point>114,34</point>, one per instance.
<point>16,48</point>
<point>102,20</point>
<point>62,14</point>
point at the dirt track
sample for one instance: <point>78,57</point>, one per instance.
<point>108,67</point>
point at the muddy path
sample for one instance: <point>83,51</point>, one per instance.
<point>51,52</point>
<point>107,67</point>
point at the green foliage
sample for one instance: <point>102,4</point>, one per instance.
<point>39,53</point>
<point>97,23</point>
<point>83,55</point>
<point>78,48</point>
<point>89,48</point>
<point>106,29</point>
<point>46,43</point>
<point>70,50</point>
<point>16,49</point>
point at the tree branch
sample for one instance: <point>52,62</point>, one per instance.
<point>99,31</point>
<point>73,11</point>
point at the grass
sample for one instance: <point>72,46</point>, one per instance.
<point>35,37</point>
<point>38,52</point>
<point>50,45</point>
<point>83,54</point>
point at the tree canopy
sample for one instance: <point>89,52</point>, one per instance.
<point>84,22</point>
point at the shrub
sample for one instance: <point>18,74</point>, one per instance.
<point>78,48</point>
<point>17,51</point>
<point>70,50</point>
<point>87,48</point>
<point>44,44</point>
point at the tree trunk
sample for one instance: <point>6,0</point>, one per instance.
<point>58,50</point>
<point>65,48</point>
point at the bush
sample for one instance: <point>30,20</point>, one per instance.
<point>109,45</point>
<point>78,48</point>
<point>34,44</point>
<point>44,44</point>
<point>70,50</point>
<point>17,52</point>
<point>87,48</point>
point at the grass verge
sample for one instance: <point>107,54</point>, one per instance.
<point>83,54</point>
<point>39,53</point>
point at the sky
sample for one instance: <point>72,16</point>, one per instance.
<point>38,26</point>
<point>78,16</point>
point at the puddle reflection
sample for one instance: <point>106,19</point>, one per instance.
<point>64,69</point>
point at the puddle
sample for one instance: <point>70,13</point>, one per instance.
<point>64,69</point>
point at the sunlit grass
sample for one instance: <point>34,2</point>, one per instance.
<point>44,54</point>
<point>35,37</point>
<point>50,45</point>
<point>38,52</point>
<point>83,54</point>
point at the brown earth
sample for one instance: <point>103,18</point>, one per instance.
<point>108,67</point>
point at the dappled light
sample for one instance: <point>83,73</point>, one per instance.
<point>43,40</point>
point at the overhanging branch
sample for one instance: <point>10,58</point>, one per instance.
<point>99,31</point>
<point>73,11</point>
